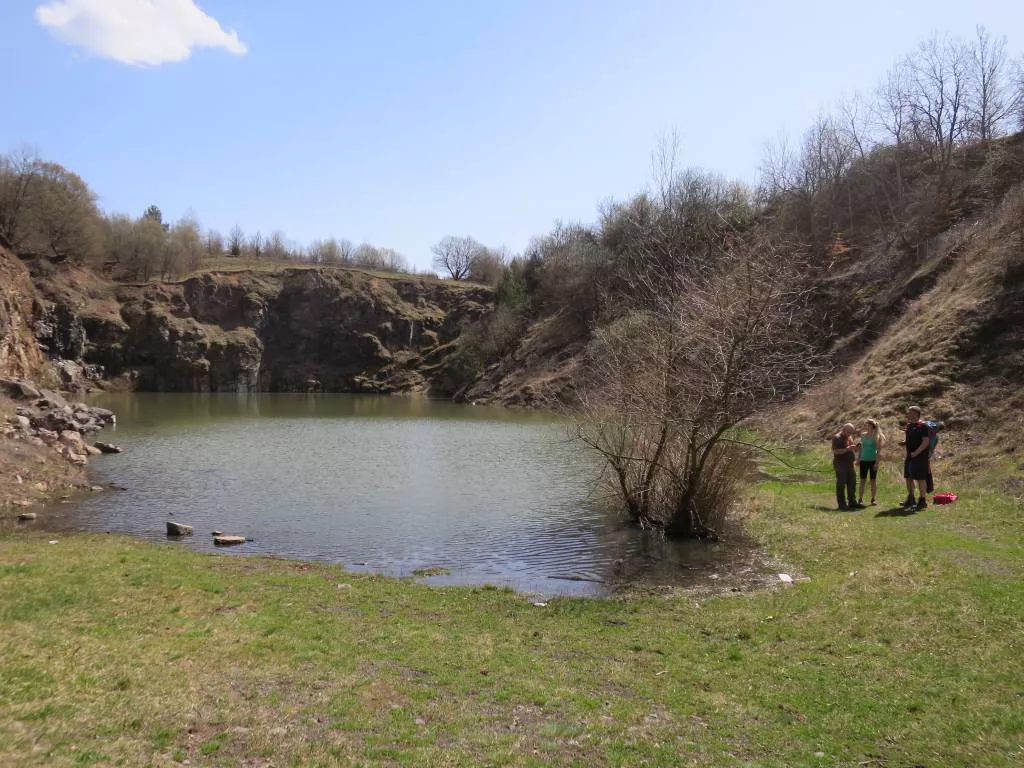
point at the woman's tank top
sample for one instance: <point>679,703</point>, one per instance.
<point>868,448</point>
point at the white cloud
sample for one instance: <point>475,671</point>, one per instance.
<point>140,32</point>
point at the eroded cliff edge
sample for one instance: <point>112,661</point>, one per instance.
<point>294,329</point>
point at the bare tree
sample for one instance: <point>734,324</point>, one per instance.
<point>368,256</point>
<point>214,243</point>
<point>255,245</point>
<point>855,122</point>
<point>393,261</point>
<point>62,214</point>
<point>118,243</point>
<point>992,99</point>
<point>315,252</point>
<point>1018,93</point>
<point>454,255</point>
<point>276,248</point>
<point>488,266</point>
<point>18,174</point>
<point>236,241</point>
<point>892,108</point>
<point>665,386</point>
<point>939,75</point>
<point>345,251</point>
<point>826,155</point>
<point>148,248</point>
<point>777,170</point>
<point>185,247</point>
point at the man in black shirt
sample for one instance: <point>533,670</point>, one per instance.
<point>844,455</point>
<point>915,468</point>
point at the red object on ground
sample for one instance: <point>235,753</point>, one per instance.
<point>944,498</point>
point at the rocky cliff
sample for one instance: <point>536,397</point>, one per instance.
<point>19,353</point>
<point>293,330</point>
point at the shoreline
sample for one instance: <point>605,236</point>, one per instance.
<point>739,567</point>
<point>123,651</point>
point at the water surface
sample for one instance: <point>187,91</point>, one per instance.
<point>385,484</point>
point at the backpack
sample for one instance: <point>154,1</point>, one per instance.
<point>933,436</point>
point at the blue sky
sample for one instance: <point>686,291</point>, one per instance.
<point>399,122</point>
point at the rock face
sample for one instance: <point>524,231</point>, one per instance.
<point>19,353</point>
<point>302,329</point>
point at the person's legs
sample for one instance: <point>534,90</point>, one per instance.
<point>851,487</point>
<point>841,487</point>
<point>910,482</point>
<point>874,484</point>
<point>922,485</point>
<point>863,481</point>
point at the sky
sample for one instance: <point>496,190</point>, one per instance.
<point>399,122</point>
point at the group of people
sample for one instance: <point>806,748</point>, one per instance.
<point>852,447</point>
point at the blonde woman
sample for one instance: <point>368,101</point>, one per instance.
<point>871,442</point>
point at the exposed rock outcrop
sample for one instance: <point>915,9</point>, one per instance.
<point>20,356</point>
<point>301,329</point>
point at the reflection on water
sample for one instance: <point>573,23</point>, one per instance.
<point>385,484</point>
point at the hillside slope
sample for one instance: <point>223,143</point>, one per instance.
<point>920,303</point>
<point>957,349</point>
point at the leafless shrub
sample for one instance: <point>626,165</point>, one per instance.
<point>665,385</point>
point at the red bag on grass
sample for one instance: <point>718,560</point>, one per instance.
<point>944,498</point>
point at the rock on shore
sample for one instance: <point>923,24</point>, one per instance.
<point>44,417</point>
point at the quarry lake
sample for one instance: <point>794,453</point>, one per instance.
<point>392,485</point>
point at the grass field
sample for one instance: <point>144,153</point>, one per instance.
<point>900,644</point>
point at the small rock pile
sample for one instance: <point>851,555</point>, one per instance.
<point>44,417</point>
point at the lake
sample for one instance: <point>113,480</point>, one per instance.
<point>391,485</point>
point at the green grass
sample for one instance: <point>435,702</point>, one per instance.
<point>900,644</point>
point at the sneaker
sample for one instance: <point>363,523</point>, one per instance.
<point>874,503</point>
<point>922,504</point>
<point>858,505</point>
<point>909,502</point>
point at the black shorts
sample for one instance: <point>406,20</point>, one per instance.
<point>868,467</point>
<point>916,469</point>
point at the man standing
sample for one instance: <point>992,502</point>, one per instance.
<point>916,467</point>
<point>844,454</point>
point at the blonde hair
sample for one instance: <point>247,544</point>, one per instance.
<point>879,435</point>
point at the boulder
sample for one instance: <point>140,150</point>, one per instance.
<point>24,516</point>
<point>178,529</point>
<point>57,421</point>
<point>78,459</point>
<point>50,399</point>
<point>71,373</point>
<point>21,422</point>
<point>102,414</point>
<point>227,541</point>
<point>107,447</point>
<point>19,389</point>
<point>73,440</point>
<point>92,450</point>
